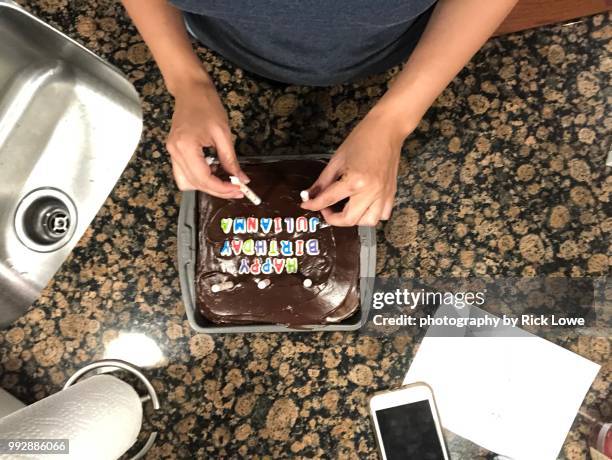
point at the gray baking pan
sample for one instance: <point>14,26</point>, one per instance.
<point>187,250</point>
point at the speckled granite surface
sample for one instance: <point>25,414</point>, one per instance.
<point>504,176</point>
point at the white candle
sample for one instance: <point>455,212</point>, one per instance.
<point>263,284</point>
<point>250,194</point>
<point>224,286</point>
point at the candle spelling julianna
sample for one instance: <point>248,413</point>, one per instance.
<point>270,255</point>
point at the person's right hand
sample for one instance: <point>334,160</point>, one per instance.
<point>200,121</point>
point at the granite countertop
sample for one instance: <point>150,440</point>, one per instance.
<point>505,176</point>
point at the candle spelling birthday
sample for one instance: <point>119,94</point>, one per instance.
<point>266,251</point>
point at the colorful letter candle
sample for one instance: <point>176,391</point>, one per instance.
<point>274,249</point>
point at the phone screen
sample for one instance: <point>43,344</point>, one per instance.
<point>409,432</point>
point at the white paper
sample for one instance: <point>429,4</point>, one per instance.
<point>516,396</point>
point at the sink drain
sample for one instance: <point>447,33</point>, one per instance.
<point>45,220</point>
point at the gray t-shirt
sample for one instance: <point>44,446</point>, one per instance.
<point>311,42</point>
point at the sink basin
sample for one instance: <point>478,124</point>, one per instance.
<point>69,123</point>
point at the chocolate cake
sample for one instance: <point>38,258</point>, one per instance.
<point>275,263</point>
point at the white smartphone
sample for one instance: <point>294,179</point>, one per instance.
<point>407,425</point>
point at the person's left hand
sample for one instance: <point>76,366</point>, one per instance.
<point>363,169</point>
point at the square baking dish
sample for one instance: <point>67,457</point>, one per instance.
<point>187,250</point>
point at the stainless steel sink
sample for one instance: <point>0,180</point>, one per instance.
<point>69,123</point>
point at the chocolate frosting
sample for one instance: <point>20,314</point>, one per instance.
<point>334,294</point>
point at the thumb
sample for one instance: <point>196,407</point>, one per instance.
<point>328,176</point>
<point>227,156</point>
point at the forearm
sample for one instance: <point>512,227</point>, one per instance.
<point>162,27</point>
<point>455,32</point>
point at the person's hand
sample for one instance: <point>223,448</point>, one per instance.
<point>363,169</point>
<point>200,121</point>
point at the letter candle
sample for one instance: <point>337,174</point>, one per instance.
<point>250,194</point>
<point>265,255</point>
